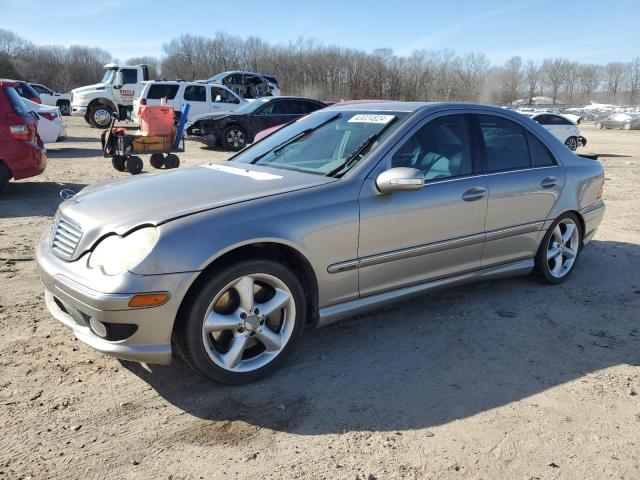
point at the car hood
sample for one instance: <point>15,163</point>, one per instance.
<point>152,199</point>
<point>89,88</point>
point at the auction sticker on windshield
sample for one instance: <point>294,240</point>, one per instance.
<point>371,118</point>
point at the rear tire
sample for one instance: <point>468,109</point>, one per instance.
<point>172,161</point>
<point>5,176</point>
<point>134,165</point>
<point>216,336</point>
<point>118,163</point>
<point>572,143</point>
<point>157,160</point>
<point>65,108</point>
<point>559,250</point>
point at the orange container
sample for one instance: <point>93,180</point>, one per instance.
<point>156,120</point>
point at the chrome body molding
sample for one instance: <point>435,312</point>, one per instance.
<point>435,247</point>
<point>335,313</point>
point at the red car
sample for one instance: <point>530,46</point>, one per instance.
<point>22,153</point>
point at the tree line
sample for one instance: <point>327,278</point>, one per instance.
<point>332,72</point>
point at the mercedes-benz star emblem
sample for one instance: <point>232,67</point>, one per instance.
<point>67,194</point>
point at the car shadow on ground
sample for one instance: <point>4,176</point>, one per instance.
<point>74,152</point>
<point>612,155</point>
<point>434,359</point>
<point>34,198</point>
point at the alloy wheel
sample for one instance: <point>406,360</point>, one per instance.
<point>563,247</point>
<point>572,143</point>
<point>235,138</point>
<point>249,322</point>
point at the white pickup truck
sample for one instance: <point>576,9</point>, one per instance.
<point>54,99</point>
<point>120,84</point>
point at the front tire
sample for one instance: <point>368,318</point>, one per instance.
<point>100,116</point>
<point>234,138</point>
<point>242,322</point>
<point>65,108</point>
<point>559,249</point>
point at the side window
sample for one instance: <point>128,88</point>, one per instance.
<point>542,119</point>
<point>307,107</point>
<point>284,107</point>
<point>220,95</point>
<point>129,75</point>
<point>505,144</point>
<point>39,89</point>
<point>195,93</point>
<point>540,155</point>
<point>158,91</point>
<point>268,109</point>
<point>558,120</point>
<point>440,149</point>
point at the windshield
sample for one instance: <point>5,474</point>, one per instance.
<point>108,76</point>
<point>323,143</point>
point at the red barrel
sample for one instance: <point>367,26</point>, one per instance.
<point>156,120</point>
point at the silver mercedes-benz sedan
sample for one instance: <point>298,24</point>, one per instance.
<point>349,208</point>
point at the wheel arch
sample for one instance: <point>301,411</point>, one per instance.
<point>105,102</point>
<point>267,250</point>
<point>62,101</point>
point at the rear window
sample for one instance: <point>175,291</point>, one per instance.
<point>156,92</point>
<point>25,90</point>
<point>505,144</point>
<point>16,101</point>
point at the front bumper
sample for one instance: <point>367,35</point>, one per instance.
<point>78,111</point>
<point>73,303</point>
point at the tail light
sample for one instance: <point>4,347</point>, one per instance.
<point>601,191</point>
<point>35,100</point>
<point>18,128</point>
<point>49,116</point>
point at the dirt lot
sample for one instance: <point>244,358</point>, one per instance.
<point>504,379</point>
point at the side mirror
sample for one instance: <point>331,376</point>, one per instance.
<point>118,80</point>
<point>400,179</point>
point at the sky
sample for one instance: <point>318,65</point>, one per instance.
<point>593,31</point>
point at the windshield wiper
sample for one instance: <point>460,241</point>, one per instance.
<point>300,135</point>
<point>360,149</point>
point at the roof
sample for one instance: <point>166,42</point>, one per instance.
<point>381,105</point>
<point>8,82</point>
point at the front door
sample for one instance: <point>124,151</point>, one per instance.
<point>222,100</point>
<point>412,237</point>
<point>524,182</point>
<point>126,92</point>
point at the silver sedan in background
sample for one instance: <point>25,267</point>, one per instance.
<point>347,209</point>
<point>624,121</point>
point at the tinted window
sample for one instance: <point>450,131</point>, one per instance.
<point>195,93</point>
<point>440,149</point>
<point>158,91</point>
<point>540,155</point>
<point>558,120</point>
<point>223,96</point>
<point>41,89</point>
<point>129,75</point>
<point>16,101</point>
<point>286,107</point>
<point>505,144</point>
<point>542,119</point>
<point>25,90</point>
<point>307,107</point>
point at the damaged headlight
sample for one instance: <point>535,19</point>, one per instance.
<point>116,254</point>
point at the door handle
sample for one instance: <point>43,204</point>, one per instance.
<point>473,194</point>
<point>548,182</point>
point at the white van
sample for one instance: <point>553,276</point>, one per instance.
<point>202,98</point>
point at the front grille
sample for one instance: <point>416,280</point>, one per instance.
<point>64,237</point>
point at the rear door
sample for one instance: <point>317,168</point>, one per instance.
<point>524,182</point>
<point>196,97</point>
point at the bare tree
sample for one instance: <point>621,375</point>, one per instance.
<point>471,71</point>
<point>589,76</point>
<point>553,69</point>
<point>532,73</point>
<point>634,80</point>
<point>152,62</point>
<point>615,73</point>
<point>510,77</point>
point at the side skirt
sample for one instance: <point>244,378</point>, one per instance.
<point>335,313</point>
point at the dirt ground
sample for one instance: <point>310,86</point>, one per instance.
<point>505,379</point>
